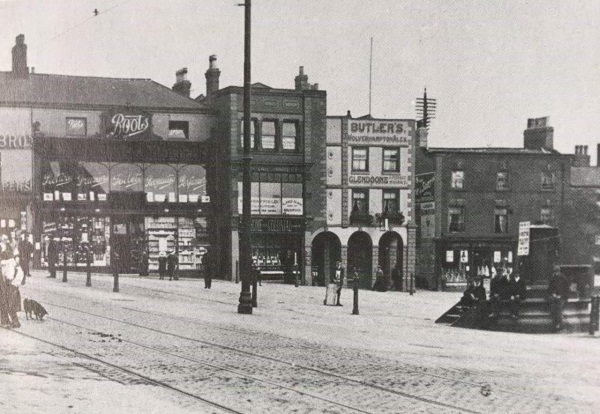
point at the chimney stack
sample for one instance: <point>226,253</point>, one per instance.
<point>581,157</point>
<point>212,76</point>
<point>301,80</point>
<point>539,134</point>
<point>19,57</point>
<point>182,86</point>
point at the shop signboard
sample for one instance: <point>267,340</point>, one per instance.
<point>292,206</point>
<point>15,151</point>
<point>378,181</point>
<point>128,125</point>
<point>524,233</point>
<point>374,132</point>
<point>277,225</point>
<point>424,187</point>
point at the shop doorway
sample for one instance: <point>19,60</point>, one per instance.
<point>360,257</point>
<point>326,251</point>
<point>127,242</point>
<point>391,254</point>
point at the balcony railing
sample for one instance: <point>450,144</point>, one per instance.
<point>359,218</point>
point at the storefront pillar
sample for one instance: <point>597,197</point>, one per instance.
<point>307,262</point>
<point>411,253</point>
<point>344,260</point>
<point>374,263</point>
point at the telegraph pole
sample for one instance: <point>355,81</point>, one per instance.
<point>245,305</point>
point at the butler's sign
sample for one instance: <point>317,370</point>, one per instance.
<point>372,132</point>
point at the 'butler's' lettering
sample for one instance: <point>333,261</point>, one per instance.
<point>377,127</point>
<point>129,125</point>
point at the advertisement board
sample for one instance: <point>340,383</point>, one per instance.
<point>383,132</point>
<point>524,233</point>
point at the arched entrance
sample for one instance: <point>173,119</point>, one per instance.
<point>391,253</point>
<point>360,257</point>
<point>326,251</point>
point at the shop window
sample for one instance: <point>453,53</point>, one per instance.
<point>289,136</point>
<point>126,178</point>
<point>270,198</point>
<point>390,201</point>
<point>291,199</point>
<point>360,159</point>
<point>458,179</point>
<point>500,220</point>
<point>547,180</point>
<point>456,219</point>
<point>160,183</point>
<point>391,160</point>
<point>191,183</point>
<point>252,134</point>
<point>360,202</point>
<point>93,182</point>
<point>76,127</point>
<point>546,215</point>
<point>268,134</point>
<point>502,181</point>
<point>179,130</point>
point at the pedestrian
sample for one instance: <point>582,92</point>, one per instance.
<point>499,292</point>
<point>558,295</point>
<point>162,265</point>
<point>25,255</point>
<point>209,266</point>
<point>380,281</point>
<point>468,298</point>
<point>338,279</point>
<point>8,296</point>
<point>144,263</point>
<point>479,292</point>
<point>172,266</point>
<point>397,278</point>
<point>517,293</point>
<point>52,256</point>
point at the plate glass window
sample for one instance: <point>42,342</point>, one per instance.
<point>360,157</point>
<point>458,179</point>
<point>391,160</point>
<point>360,202</point>
<point>500,220</point>
<point>390,201</point>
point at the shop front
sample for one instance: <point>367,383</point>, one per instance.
<point>462,260</point>
<point>125,200</point>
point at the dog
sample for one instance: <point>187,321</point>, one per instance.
<point>31,307</point>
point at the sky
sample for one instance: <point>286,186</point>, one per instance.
<point>490,65</point>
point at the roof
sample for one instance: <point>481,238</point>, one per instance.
<point>585,176</point>
<point>73,91</point>
<point>494,150</point>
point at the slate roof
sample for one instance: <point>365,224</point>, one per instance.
<point>39,90</point>
<point>493,150</point>
<point>585,176</point>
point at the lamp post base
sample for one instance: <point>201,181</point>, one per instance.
<point>245,306</point>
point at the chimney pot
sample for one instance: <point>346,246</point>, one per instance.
<point>182,85</point>
<point>212,76</point>
<point>19,57</point>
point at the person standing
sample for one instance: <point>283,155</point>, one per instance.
<point>162,265</point>
<point>338,279</point>
<point>499,291</point>
<point>209,265</point>
<point>25,253</point>
<point>144,263</point>
<point>8,264</point>
<point>558,295</point>
<point>397,278</point>
<point>517,291</point>
<point>172,266</point>
<point>52,257</point>
<point>380,282</point>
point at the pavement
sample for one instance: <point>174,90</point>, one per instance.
<point>172,346</point>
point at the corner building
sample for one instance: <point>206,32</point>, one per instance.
<point>369,187</point>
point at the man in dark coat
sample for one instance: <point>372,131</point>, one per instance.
<point>479,292</point>
<point>25,251</point>
<point>209,266</point>
<point>397,278</point>
<point>558,294</point>
<point>172,266</point>
<point>517,292</point>
<point>52,257</point>
<point>338,279</point>
<point>144,263</point>
<point>162,265</point>
<point>499,291</point>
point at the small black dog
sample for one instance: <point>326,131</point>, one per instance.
<point>32,307</point>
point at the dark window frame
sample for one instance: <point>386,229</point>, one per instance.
<point>253,140</point>
<point>366,160</point>
<point>365,192</point>
<point>456,226</point>
<point>383,158</point>
<point>500,212</point>
<point>506,185</point>
<point>184,126</point>
<point>296,137</point>
<point>384,203</point>
<point>275,134</point>
<point>462,181</point>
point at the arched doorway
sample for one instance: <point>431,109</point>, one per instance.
<point>326,251</point>
<point>360,257</point>
<point>391,253</point>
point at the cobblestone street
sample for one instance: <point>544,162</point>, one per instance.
<point>161,346</point>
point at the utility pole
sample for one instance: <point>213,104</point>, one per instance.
<point>245,305</point>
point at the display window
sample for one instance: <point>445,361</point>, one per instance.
<point>126,178</point>
<point>160,183</point>
<point>191,183</point>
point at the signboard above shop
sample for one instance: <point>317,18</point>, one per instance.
<point>128,125</point>
<point>378,181</point>
<point>374,132</point>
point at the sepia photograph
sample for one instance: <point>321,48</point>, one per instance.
<point>299,206</point>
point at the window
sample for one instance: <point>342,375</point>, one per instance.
<point>252,134</point>
<point>546,215</point>
<point>390,201</point>
<point>502,181</point>
<point>391,160</point>
<point>179,130</point>
<point>360,159</point>
<point>289,136</point>
<point>547,180</point>
<point>458,178</point>
<point>360,202</point>
<point>500,220</point>
<point>76,127</point>
<point>456,219</point>
<point>267,139</point>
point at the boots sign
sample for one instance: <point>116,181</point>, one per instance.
<point>128,126</point>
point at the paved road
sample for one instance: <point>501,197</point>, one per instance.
<point>172,345</point>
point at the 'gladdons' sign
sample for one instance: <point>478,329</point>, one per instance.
<point>128,126</point>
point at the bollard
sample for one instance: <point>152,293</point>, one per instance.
<point>65,265</point>
<point>597,324</point>
<point>237,271</point>
<point>594,315</point>
<point>254,291</point>
<point>88,269</point>
<point>115,273</point>
<point>412,284</point>
<point>296,271</point>
<point>355,303</point>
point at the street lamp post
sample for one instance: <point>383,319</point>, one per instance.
<point>245,305</point>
